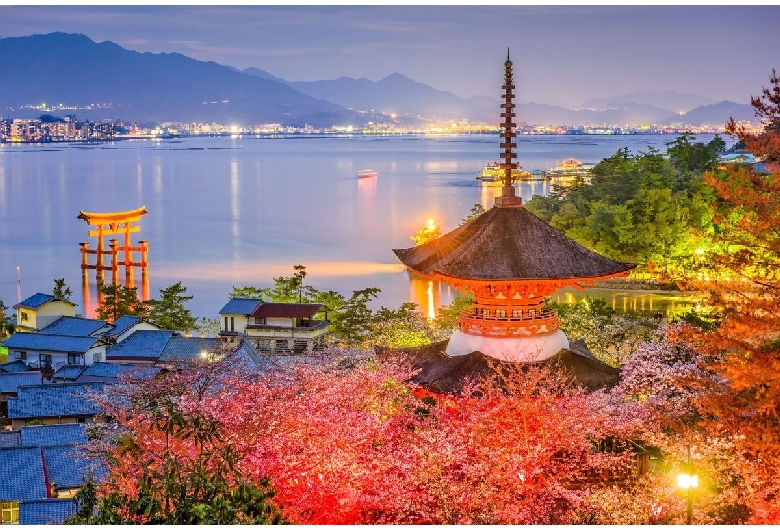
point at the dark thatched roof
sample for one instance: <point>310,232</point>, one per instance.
<point>508,243</point>
<point>443,374</point>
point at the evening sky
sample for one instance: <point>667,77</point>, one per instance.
<point>563,55</point>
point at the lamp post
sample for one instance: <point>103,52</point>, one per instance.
<point>687,481</point>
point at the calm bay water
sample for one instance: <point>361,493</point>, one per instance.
<point>232,212</point>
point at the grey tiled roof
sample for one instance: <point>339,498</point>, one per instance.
<point>10,439</point>
<point>58,343</point>
<point>240,306</point>
<point>9,382</point>
<point>180,348</point>
<point>69,371</point>
<point>14,367</point>
<point>65,467</point>
<point>74,326</point>
<point>46,511</point>
<point>47,401</point>
<point>122,324</point>
<point>141,345</point>
<point>114,370</point>
<point>48,435</point>
<point>21,474</point>
<point>35,301</point>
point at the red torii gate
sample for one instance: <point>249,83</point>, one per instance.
<point>109,224</point>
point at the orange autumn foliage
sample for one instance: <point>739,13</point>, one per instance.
<point>743,285</point>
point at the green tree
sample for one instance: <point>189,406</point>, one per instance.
<point>404,327</point>
<point>169,312</point>
<point>475,212</point>
<point>427,233</point>
<point>352,323</point>
<point>208,326</point>
<point>286,289</point>
<point>608,336</point>
<point>61,290</point>
<point>119,300</point>
<point>248,291</point>
<point>3,320</point>
<point>447,319</point>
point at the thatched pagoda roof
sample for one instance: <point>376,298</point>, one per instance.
<point>443,374</point>
<point>508,244</point>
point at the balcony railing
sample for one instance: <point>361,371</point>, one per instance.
<point>502,323</point>
<point>318,324</point>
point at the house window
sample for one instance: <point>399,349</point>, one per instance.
<point>98,357</point>
<point>9,512</point>
<point>23,316</point>
<point>226,328</point>
<point>44,360</point>
<point>20,355</point>
<point>232,324</point>
<point>75,358</point>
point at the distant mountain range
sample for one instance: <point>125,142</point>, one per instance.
<point>147,87</point>
<point>671,101</point>
<point>72,69</point>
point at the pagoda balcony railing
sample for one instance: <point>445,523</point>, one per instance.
<point>508,323</point>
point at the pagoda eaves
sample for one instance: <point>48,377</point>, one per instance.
<point>508,245</point>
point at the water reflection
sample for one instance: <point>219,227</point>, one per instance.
<point>430,296</point>
<point>671,304</point>
<point>91,296</point>
<point>367,187</point>
<point>235,208</point>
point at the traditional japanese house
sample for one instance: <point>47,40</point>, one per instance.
<point>510,260</point>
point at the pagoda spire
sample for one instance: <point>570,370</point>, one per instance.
<point>508,197</point>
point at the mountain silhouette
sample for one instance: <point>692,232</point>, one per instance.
<point>72,69</point>
<point>717,114</point>
<point>671,101</point>
<point>148,87</point>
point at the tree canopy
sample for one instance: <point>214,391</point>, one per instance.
<point>647,208</point>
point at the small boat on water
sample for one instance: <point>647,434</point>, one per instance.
<point>571,167</point>
<point>492,173</point>
<point>366,173</point>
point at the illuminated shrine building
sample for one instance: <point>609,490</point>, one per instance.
<point>510,260</point>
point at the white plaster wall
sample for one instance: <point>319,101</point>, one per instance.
<point>516,349</point>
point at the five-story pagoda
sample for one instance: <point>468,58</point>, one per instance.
<point>510,260</point>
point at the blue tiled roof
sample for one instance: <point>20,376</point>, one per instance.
<point>14,367</point>
<point>74,326</point>
<point>141,345</point>
<point>48,435</point>
<point>21,474</point>
<point>35,301</point>
<point>240,306</point>
<point>181,348</point>
<point>39,341</point>
<point>65,467</point>
<point>122,324</point>
<point>46,401</point>
<point>46,511</point>
<point>9,382</point>
<point>114,370</point>
<point>69,371</point>
<point>10,439</point>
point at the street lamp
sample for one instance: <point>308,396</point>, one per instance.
<point>688,481</point>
